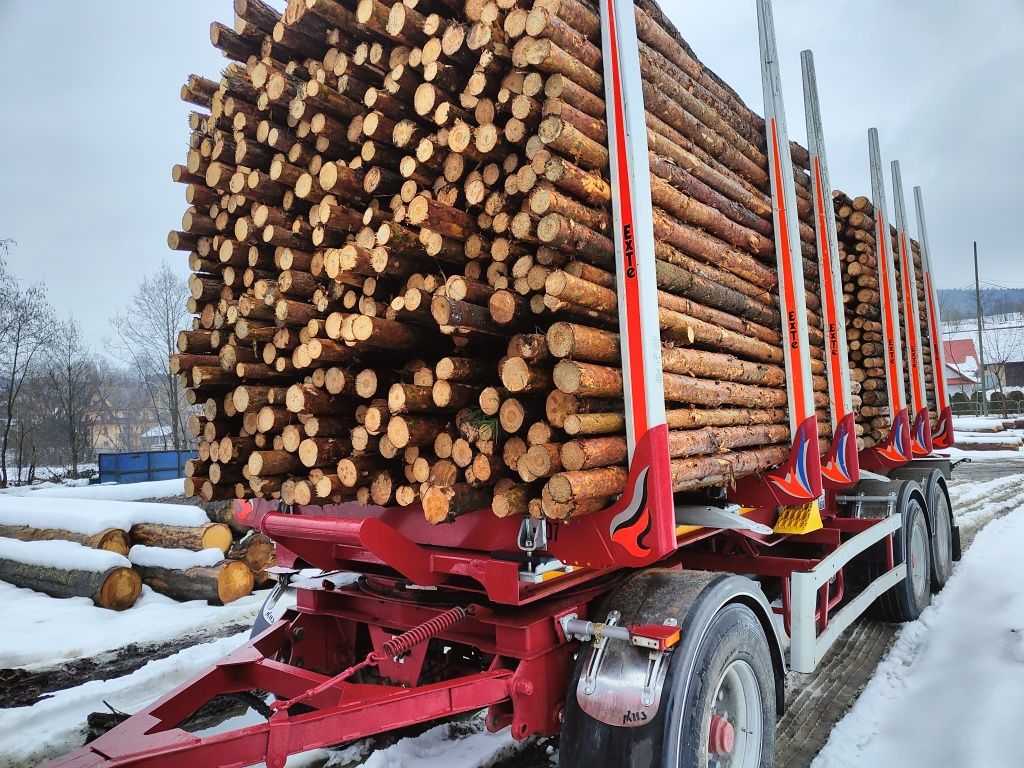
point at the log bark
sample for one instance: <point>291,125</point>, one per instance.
<point>220,584</point>
<point>110,539</point>
<point>211,535</point>
<point>115,588</point>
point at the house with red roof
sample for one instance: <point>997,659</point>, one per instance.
<point>962,369</point>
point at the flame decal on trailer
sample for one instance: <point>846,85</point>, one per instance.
<point>797,480</point>
<point>244,509</point>
<point>837,470</point>
<point>896,448</point>
<point>630,527</point>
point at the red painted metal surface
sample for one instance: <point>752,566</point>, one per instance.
<point>895,451</point>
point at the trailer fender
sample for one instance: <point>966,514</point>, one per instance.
<point>611,687</point>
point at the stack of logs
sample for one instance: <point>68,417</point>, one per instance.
<point>399,229</point>
<point>862,300</point>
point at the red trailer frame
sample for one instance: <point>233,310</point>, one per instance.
<point>451,619</point>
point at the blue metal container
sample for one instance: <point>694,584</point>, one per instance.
<point>143,466</point>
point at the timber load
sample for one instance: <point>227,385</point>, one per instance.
<point>862,301</point>
<point>399,227</point>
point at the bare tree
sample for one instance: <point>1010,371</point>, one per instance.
<point>26,318</point>
<point>74,379</point>
<point>147,335</point>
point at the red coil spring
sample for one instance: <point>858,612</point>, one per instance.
<point>406,641</point>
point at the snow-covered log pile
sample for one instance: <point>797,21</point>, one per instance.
<point>185,574</point>
<point>68,569</point>
<point>77,547</point>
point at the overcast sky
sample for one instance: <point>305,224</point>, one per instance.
<point>91,123</point>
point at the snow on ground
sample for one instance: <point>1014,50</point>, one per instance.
<point>156,489</point>
<point>65,555</point>
<point>175,559</point>
<point>90,516</point>
<point>975,423</point>
<point>54,725</point>
<point>50,630</point>
<point>951,691</point>
<point>977,503</point>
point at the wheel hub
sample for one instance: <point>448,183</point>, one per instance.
<point>722,736</point>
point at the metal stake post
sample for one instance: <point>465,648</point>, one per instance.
<point>943,435</point>
<point>841,467</point>
<point>804,479</point>
<point>896,449</point>
<point>920,439</point>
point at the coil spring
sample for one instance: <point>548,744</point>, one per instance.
<point>406,641</point>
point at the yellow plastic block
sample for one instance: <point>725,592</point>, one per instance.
<point>803,518</point>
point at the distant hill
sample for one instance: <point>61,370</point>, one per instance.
<point>959,303</point>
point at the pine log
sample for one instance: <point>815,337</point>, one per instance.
<point>220,584</point>
<point>116,588</point>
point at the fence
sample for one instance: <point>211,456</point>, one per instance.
<point>143,466</point>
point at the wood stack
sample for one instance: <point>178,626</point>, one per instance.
<point>862,301</point>
<point>403,271</point>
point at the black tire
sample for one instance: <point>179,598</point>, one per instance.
<point>677,737</point>
<point>941,537</point>
<point>906,600</point>
<point>940,520</point>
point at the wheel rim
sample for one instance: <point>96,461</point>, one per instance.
<point>943,536</point>
<point>918,561</point>
<point>737,702</point>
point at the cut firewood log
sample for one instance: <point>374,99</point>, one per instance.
<point>218,584</point>
<point>111,539</point>
<point>210,536</point>
<point>67,569</point>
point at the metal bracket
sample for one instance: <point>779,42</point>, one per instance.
<point>533,535</point>
<point>866,475</point>
<point>859,500</point>
<point>622,682</point>
<point>597,653</point>
<point>727,517</point>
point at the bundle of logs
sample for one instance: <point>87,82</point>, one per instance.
<point>241,564</point>
<point>400,233</point>
<point>862,299</point>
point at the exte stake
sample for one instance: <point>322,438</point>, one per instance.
<point>841,467</point>
<point>798,480</point>
<point>649,489</point>
<point>895,450</point>
<point>920,436</point>
<point>942,436</point>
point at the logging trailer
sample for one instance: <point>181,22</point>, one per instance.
<point>655,632</point>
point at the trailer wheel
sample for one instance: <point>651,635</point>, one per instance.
<point>940,520</point>
<point>906,600</point>
<point>720,697</point>
<point>942,538</point>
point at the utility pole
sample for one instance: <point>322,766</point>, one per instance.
<point>981,336</point>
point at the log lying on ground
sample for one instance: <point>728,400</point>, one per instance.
<point>110,539</point>
<point>66,569</point>
<point>188,575</point>
<point>211,535</point>
<point>220,584</point>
